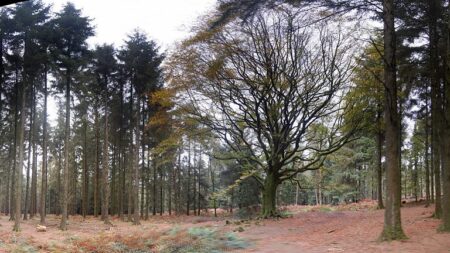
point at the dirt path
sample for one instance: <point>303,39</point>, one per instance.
<point>347,231</point>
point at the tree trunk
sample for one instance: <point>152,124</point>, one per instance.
<point>44,155</point>
<point>161,193</point>
<point>130,164</point>
<point>178,188</point>
<point>445,226</point>
<point>198,193</point>
<point>123,187</point>
<point>121,191</point>
<point>432,173</point>
<point>33,200</point>
<point>14,156</point>
<point>435,103</point>
<point>392,222</point>
<point>27,184</point>
<point>85,170</point>
<point>188,198</point>
<point>59,185</point>
<point>155,175</point>
<point>380,169</point>
<point>269,196</point>
<point>33,134</point>
<point>65,190</point>
<point>105,168</point>
<point>19,169</point>
<point>427,164</point>
<point>195,176</point>
<point>113,185</point>
<point>171,185</point>
<point>415,177</point>
<point>11,162</point>
<point>136,220</point>
<point>97,162</point>
<point>147,185</point>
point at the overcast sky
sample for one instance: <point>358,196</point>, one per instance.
<point>165,21</point>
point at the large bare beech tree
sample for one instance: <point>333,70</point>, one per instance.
<point>271,90</point>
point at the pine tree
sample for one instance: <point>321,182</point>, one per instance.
<point>73,30</point>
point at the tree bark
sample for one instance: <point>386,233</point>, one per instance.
<point>435,103</point>
<point>105,168</point>
<point>44,155</point>
<point>97,162</point>
<point>65,190</point>
<point>14,156</point>
<point>33,200</point>
<point>18,176</point>
<point>188,197</point>
<point>415,177</point>
<point>136,219</point>
<point>161,193</point>
<point>427,164</point>
<point>113,185</point>
<point>143,176</point>
<point>379,170</point>
<point>85,170</point>
<point>445,226</point>
<point>392,220</point>
<point>130,165</point>
<point>27,184</point>
<point>269,196</point>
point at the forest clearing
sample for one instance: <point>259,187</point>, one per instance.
<point>346,228</point>
<point>214,126</point>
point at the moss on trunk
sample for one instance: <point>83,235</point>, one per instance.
<point>269,208</point>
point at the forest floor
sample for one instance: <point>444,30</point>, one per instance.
<point>348,228</point>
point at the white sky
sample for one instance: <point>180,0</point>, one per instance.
<point>164,21</point>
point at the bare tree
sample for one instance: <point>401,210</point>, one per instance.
<point>275,89</point>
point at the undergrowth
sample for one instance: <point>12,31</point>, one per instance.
<point>200,240</point>
<point>192,240</point>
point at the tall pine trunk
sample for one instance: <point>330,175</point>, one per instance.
<point>436,104</point>
<point>427,163</point>
<point>18,170</point>
<point>445,226</point>
<point>130,164</point>
<point>33,200</point>
<point>392,220</point>
<point>14,155</point>
<point>105,168</point>
<point>380,170</point>
<point>97,163</point>
<point>65,184</point>
<point>136,218</point>
<point>85,175</point>
<point>44,154</point>
<point>27,184</point>
<point>121,193</point>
